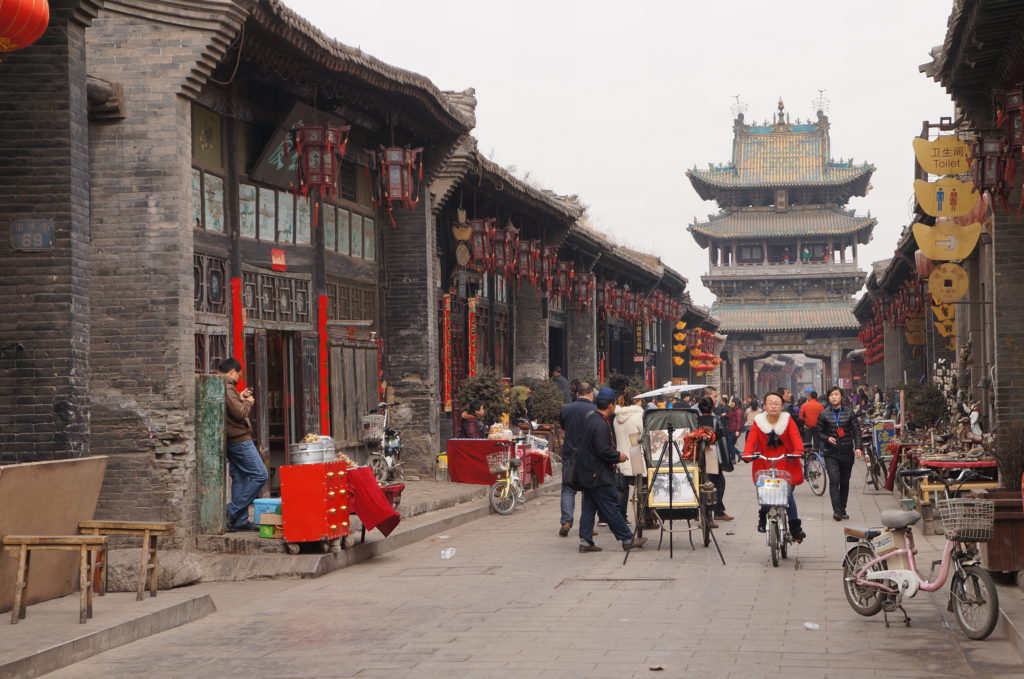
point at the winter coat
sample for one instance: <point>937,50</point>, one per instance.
<point>789,441</point>
<point>828,426</point>
<point>810,411</point>
<point>571,421</point>
<point>469,427</point>
<point>734,420</point>
<point>564,387</point>
<point>595,459</point>
<point>237,425</point>
<point>629,427</point>
<point>750,414</point>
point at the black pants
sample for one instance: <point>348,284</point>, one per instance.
<point>839,467</point>
<point>719,480</point>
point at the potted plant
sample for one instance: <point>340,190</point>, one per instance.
<point>1005,552</point>
<point>488,388</point>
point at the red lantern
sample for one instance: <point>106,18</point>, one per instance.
<point>400,173</point>
<point>508,245</point>
<point>320,152</point>
<point>22,22</point>
<point>564,278</point>
<point>480,242</point>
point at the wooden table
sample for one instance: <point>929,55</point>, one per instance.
<point>149,531</point>
<point>85,545</point>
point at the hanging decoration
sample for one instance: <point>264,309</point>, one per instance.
<point>564,274</point>
<point>320,150</point>
<point>22,22</point>
<point>480,242</point>
<point>399,176</point>
<point>584,286</point>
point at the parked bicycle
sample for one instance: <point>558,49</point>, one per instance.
<point>814,471</point>
<point>879,571</point>
<point>507,491</point>
<point>876,470</point>
<point>385,460</point>
<point>773,492</point>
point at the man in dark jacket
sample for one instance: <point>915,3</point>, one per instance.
<point>594,473</point>
<point>571,421</point>
<point>248,473</point>
<point>563,384</point>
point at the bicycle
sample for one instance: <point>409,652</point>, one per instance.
<point>507,491</point>
<point>772,487</point>
<point>384,461</point>
<point>880,570</point>
<point>814,471</point>
<point>876,471</point>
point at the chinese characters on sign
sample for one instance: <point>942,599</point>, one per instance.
<point>32,234</point>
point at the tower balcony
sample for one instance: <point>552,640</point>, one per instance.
<point>780,270</point>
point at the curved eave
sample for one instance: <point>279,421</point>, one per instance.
<point>704,237</point>
<point>709,187</point>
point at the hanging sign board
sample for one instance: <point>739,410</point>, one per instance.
<point>944,312</point>
<point>915,324</point>
<point>947,241</point>
<point>946,197</point>
<point>945,328</point>
<point>944,155</point>
<point>915,338</point>
<point>948,283</point>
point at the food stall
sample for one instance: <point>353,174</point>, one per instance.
<point>467,460</point>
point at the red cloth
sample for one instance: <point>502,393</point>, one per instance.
<point>958,464</point>
<point>809,412</point>
<point>369,502</point>
<point>467,460</point>
<point>792,442</point>
<point>537,463</point>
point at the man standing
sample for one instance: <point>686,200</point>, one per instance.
<point>571,421</point>
<point>809,413</point>
<point>787,402</point>
<point>248,473</point>
<point>563,384</point>
<point>594,473</point>
<point>724,458</point>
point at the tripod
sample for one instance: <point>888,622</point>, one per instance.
<point>703,511</point>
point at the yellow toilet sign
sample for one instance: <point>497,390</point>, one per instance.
<point>944,155</point>
<point>944,312</point>
<point>947,241</point>
<point>946,197</point>
<point>945,328</point>
<point>948,283</point>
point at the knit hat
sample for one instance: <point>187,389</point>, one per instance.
<point>606,394</point>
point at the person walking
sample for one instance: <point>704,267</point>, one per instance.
<point>775,433</point>
<point>809,413</point>
<point>629,428</point>
<point>571,421</point>
<point>248,473</point>
<point>838,427</point>
<point>594,474</point>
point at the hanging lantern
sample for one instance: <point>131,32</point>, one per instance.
<point>509,242</point>
<point>564,278</point>
<point>320,150</point>
<point>480,242</point>
<point>601,296</point>
<point>1008,116</point>
<point>399,175</point>
<point>22,22</point>
<point>524,262</point>
<point>988,161</point>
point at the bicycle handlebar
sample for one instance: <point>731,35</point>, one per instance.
<point>964,476</point>
<point>761,456</point>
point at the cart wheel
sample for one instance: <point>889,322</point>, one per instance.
<point>335,545</point>
<point>291,547</point>
<point>705,525</point>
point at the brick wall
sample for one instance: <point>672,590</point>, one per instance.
<point>1008,327</point>
<point>581,341</point>
<point>45,301</point>
<point>409,322</point>
<point>141,358</point>
<point>530,352</point>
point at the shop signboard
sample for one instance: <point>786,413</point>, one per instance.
<point>882,433</point>
<point>945,155</point>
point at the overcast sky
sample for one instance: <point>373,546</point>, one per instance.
<point>614,101</point>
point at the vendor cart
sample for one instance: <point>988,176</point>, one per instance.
<point>315,501</point>
<point>650,509</point>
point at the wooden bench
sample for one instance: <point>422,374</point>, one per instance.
<point>86,545</point>
<point>149,531</point>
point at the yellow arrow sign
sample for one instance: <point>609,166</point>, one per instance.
<point>945,328</point>
<point>945,155</point>
<point>947,240</point>
<point>944,312</point>
<point>948,283</point>
<point>946,197</point>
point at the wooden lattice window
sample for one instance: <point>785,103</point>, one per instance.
<point>350,302</point>
<point>270,297</point>
<point>209,279</point>
<point>210,350</point>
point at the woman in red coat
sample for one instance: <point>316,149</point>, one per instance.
<point>775,433</point>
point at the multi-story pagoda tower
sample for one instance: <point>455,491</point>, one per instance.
<point>783,250</point>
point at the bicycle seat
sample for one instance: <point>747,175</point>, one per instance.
<point>897,518</point>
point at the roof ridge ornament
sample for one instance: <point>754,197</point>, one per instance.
<point>821,104</point>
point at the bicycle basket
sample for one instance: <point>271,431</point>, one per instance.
<point>373,428</point>
<point>773,487</point>
<point>497,462</point>
<point>967,519</point>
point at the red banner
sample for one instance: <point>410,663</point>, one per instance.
<point>446,355</point>
<point>238,328</point>
<point>471,333</point>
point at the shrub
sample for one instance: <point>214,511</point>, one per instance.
<point>925,403</point>
<point>488,388</point>
<point>547,403</point>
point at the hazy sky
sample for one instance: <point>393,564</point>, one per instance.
<point>614,101</point>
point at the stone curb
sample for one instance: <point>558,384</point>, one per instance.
<point>97,641</point>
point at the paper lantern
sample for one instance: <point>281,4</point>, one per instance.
<point>22,22</point>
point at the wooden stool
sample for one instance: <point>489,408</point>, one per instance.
<point>149,530</point>
<point>86,545</point>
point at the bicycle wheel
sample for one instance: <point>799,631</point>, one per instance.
<point>784,543</point>
<point>773,541</point>
<point>379,466</point>
<point>975,601</point>
<point>875,473</point>
<point>502,497</point>
<point>814,473</point>
<point>863,599</point>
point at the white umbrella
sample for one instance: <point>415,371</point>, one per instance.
<point>672,389</point>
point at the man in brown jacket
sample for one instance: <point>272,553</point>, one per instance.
<point>248,473</point>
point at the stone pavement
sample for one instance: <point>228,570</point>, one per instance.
<point>517,598</point>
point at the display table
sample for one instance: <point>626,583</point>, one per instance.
<point>467,461</point>
<point>370,503</point>
<point>928,488</point>
<point>958,464</point>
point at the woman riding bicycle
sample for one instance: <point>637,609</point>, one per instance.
<point>775,433</point>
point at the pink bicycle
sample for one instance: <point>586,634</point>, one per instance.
<point>880,569</point>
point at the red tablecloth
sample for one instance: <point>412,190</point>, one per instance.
<point>467,460</point>
<point>958,464</point>
<point>537,463</point>
<point>369,502</point>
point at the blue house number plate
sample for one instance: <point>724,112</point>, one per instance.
<point>32,234</point>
